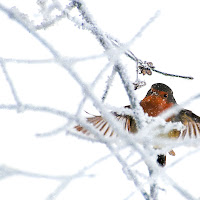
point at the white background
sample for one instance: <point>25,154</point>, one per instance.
<point>171,42</point>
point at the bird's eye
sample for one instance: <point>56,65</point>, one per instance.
<point>165,95</point>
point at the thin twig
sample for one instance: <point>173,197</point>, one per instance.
<point>181,190</point>
<point>105,42</point>
<point>72,60</point>
<point>97,103</point>
<point>153,184</point>
<point>10,82</point>
<point>134,58</point>
<point>109,82</point>
<point>173,75</point>
<point>183,157</point>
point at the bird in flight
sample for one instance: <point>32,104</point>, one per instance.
<point>157,100</point>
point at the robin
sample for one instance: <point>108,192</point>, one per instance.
<point>158,99</point>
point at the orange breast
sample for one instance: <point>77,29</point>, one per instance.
<point>154,105</point>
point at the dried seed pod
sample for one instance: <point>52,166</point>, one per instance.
<point>141,68</point>
<point>150,64</point>
<point>148,71</point>
<point>143,71</point>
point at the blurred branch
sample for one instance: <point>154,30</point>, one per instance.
<point>105,42</point>
<point>10,82</point>
<point>100,74</point>
<point>124,48</point>
<point>101,138</point>
<point>6,171</point>
<point>87,90</point>
<point>182,191</point>
<point>183,157</point>
<point>108,85</point>
<point>64,180</point>
<point>89,25</point>
<point>82,102</point>
<point>71,60</point>
<point>153,184</point>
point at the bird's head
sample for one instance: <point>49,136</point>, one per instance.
<point>159,98</point>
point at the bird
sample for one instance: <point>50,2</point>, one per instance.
<point>158,99</point>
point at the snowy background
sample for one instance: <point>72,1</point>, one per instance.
<point>37,159</point>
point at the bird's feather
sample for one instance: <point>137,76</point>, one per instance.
<point>191,123</point>
<point>103,126</point>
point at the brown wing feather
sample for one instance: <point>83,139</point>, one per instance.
<point>102,125</point>
<point>191,123</point>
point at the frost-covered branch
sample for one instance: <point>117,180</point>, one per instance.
<point>72,60</point>
<point>108,84</point>
<point>84,86</point>
<point>89,127</point>
<point>12,88</point>
<point>143,67</point>
<point>101,37</point>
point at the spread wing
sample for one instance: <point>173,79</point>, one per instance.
<point>103,126</point>
<point>186,117</point>
<point>191,123</point>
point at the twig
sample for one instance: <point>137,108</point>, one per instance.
<point>12,88</point>
<point>183,157</point>
<point>6,171</point>
<point>52,132</point>
<point>144,64</point>
<point>65,13</point>
<point>182,191</point>
<point>97,103</point>
<point>130,196</point>
<point>82,102</point>
<point>109,82</point>
<point>173,75</point>
<point>103,40</point>
<point>153,184</point>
